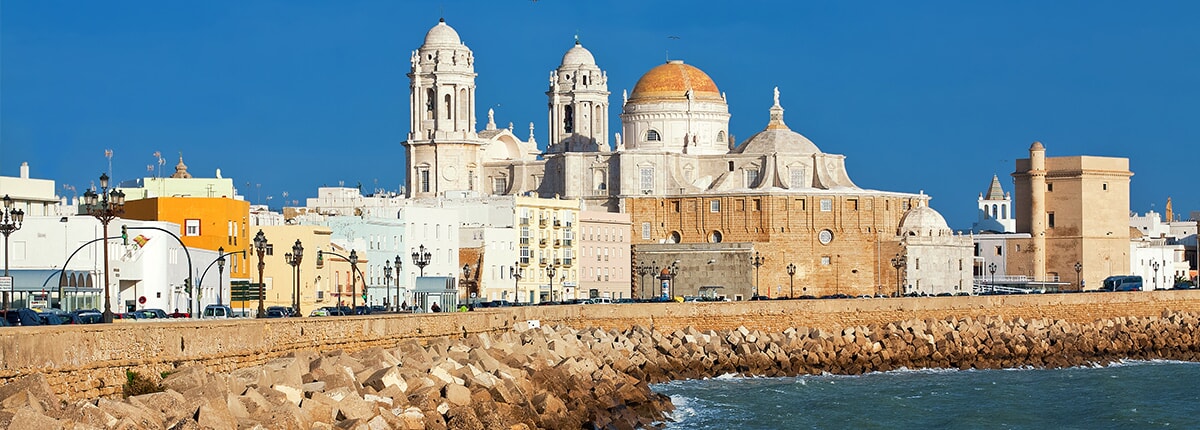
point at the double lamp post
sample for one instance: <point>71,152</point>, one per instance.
<point>105,206</point>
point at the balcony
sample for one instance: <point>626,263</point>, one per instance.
<point>542,243</point>
<point>524,241</point>
<point>557,243</point>
<point>525,221</point>
<point>542,262</point>
<point>542,223</point>
<point>557,224</point>
<point>567,242</point>
<point>566,262</point>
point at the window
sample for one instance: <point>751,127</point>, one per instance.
<point>499,185</point>
<point>826,205</point>
<point>1104,186</point>
<point>270,249</point>
<point>569,121</point>
<point>1050,219</point>
<point>757,204</point>
<point>646,231</point>
<point>1049,186</point>
<point>675,206</point>
<point>524,255</point>
<point>730,166</point>
<point>751,177</point>
<point>999,250</point>
<point>721,136</point>
<point>800,205</point>
<point>471,180</point>
<point>825,260</point>
<point>191,227</point>
<point>447,106</point>
<point>715,237</point>
<point>852,204</point>
<point>797,176</point>
<point>674,237</point>
<point>647,176</point>
<point>653,136</point>
<point>714,206</point>
<point>917,261</point>
<point>424,174</point>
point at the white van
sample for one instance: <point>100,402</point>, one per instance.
<point>217,311</point>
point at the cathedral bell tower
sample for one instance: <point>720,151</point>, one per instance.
<point>578,104</point>
<point>442,146</point>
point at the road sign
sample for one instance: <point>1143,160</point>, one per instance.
<point>6,282</point>
<point>142,300</point>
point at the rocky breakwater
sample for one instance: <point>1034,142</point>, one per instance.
<point>563,377</point>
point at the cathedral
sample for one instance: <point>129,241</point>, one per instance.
<point>690,189</point>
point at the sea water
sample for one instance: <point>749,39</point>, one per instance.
<point>1124,395</point>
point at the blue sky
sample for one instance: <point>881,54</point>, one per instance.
<point>293,95</point>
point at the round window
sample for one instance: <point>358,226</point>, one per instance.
<point>674,237</point>
<point>714,237</point>
<point>825,236</point>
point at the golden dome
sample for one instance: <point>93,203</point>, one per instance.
<point>672,81</point>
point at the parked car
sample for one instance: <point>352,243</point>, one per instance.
<point>153,314</point>
<point>285,310</point>
<point>23,317</point>
<point>378,309</point>
<point>1122,283</point>
<point>276,313</point>
<point>49,318</point>
<point>85,316</point>
<point>319,312</point>
<point>217,312</point>
<point>180,314</point>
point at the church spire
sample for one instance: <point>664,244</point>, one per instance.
<point>994,191</point>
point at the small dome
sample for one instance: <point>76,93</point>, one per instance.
<point>1037,146</point>
<point>672,81</point>
<point>442,35</point>
<point>923,221</point>
<point>776,140</point>
<point>578,55</point>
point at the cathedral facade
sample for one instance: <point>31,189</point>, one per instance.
<point>674,167</point>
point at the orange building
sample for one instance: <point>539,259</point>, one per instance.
<point>204,223</point>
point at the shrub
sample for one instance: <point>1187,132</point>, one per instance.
<point>136,384</point>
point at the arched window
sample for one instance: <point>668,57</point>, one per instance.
<point>714,237</point>
<point>653,136</point>
<point>430,99</point>
<point>569,119</point>
<point>995,211</point>
<point>448,111</point>
<point>721,136</point>
<point>464,105</point>
<point>1004,211</point>
<point>674,237</point>
<point>585,79</point>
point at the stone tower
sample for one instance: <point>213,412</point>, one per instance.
<point>1037,208</point>
<point>578,104</point>
<point>442,145</point>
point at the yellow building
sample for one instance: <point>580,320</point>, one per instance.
<point>279,276</point>
<point>204,222</point>
<point>547,248</point>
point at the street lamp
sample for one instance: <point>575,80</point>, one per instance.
<point>387,283</point>
<point>421,258</point>
<point>260,246</point>
<point>467,281</point>
<point>897,263</point>
<point>550,271</point>
<point>398,265</point>
<point>105,206</point>
<point>298,256</point>
<point>645,270</point>
<point>10,222</point>
<point>791,271</point>
<point>1078,271</point>
<point>515,273</point>
<point>1156,266</point>
<point>220,274</point>
<point>992,269</point>
<point>756,261</point>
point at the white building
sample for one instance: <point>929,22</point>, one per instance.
<point>995,211</point>
<point>34,196</point>
<point>937,260</point>
<point>149,264</point>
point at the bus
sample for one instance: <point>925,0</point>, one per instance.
<point>1122,283</point>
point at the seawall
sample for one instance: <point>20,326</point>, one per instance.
<point>83,362</point>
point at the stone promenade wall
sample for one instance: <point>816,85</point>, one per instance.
<point>82,362</point>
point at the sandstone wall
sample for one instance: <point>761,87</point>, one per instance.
<point>90,361</point>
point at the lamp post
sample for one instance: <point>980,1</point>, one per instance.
<point>992,270</point>
<point>260,247</point>
<point>421,258</point>
<point>645,270</point>
<point>105,206</point>
<point>220,274</point>
<point>398,266</point>
<point>353,259</point>
<point>1156,266</point>
<point>387,283</point>
<point>515,273</point>
<point>897,263</point>
<point>467,281</point>
<point>756,261</point>
<point>791,271</point>
<point>1078,279</point>
<point>10,222</point>
<point>550,271</point>
<point>297,257</point>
